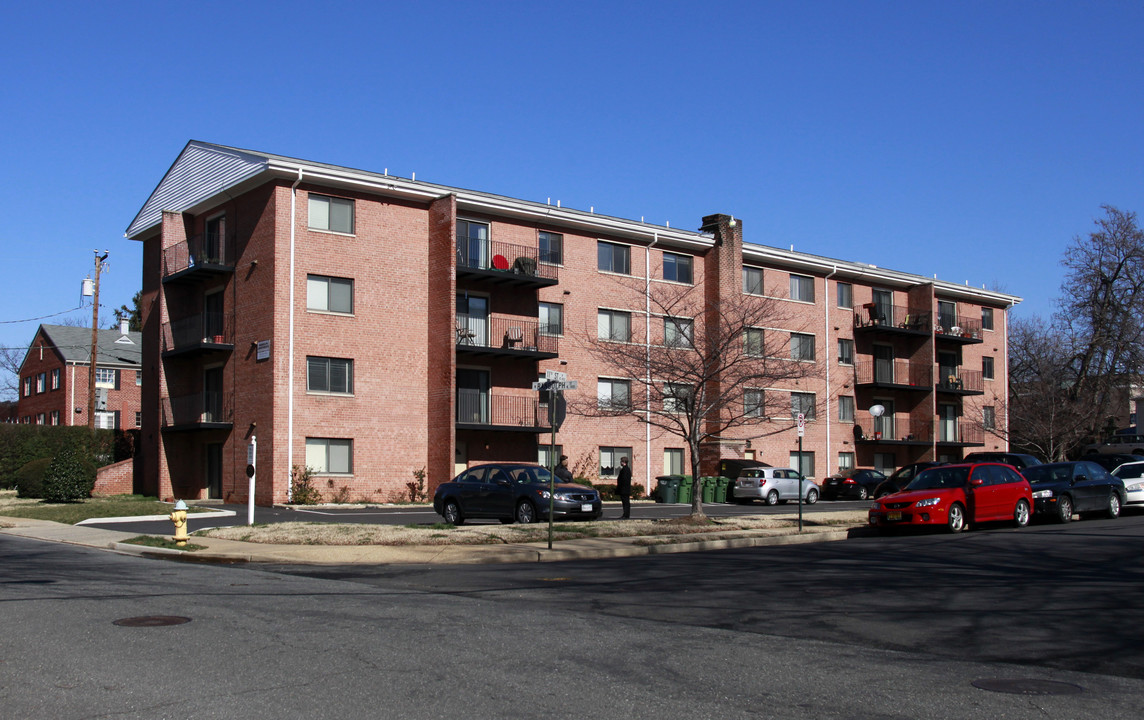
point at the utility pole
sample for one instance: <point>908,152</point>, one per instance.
<point>99,259</point>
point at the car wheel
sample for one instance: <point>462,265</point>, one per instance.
<point>956,520</point>
<point>1021,514</point>
<point>452,513</point>
<point>773,497</point>
<point>811,496</point>
<point>1064,509</point>
<point>863,493</point>
<point>1113,505</point>
<point>525,513</point>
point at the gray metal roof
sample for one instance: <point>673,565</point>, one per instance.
<point>74,344</point>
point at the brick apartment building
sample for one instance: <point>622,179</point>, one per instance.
<point>55,374</point>
<point>368,326</point>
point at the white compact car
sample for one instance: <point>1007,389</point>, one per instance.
<point>774,485</point>
<point>1132,474</point>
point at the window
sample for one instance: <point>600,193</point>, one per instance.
<point>614,325</point>
<point>845,461</point>
<point>106,420</point>
<point>54,417</point>
<point>548,457</point>
<point>946,315</point>
<point>752,281</point>
<point>678,332</point>
<point>676,397</point>
<point>138,378</point>
<point>107,378</point>
<point>803,462</point>
<point>55,385</point>
<point>331,213</point>
<point>845,295</point>
<point>987,318</point>
<point>41,419</point>
<point>330,375</point>
<point>988,417</point>
<point>551,319</point>
<point>610,460</point>
<point>613,258</point>
<point>614,394</point>
<point>329,294</point>
<point>754,403</point>
<point>846,408</point>
<point>42,383</point>
<point>473,244</point>
<point>885,463</point>
<point>845,352</point>
<point>987,368</point>
<point>28,386</point>
<point>138,419</point>
<point>753,342</point>
<point>802,288</point>
<point>673,461</point>
<point>801,347</point>
<point>677,268</point>
<point>551,248</point>
<point>802,403</point>
<point>330,455</point>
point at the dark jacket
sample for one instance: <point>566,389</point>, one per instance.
<point>624,481</point>
<point>563,474</point>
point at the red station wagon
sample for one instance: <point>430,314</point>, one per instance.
<point>957,496</point>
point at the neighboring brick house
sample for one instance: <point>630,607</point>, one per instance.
<point>55,374</point>
<point>369,326</point>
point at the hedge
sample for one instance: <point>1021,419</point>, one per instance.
<point>20,444</point>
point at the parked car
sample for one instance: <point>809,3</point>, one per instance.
<point>1110,461</point>
<point>1064,488</point>
<point>902,477</point>
<point>1132,475</point>
<point>957,496</point>
<point>774,485</point>
<point>512,491</point>
<point>732,467</point>
<point>856,483</point>
<point>1123,443</point>
<point>1017,460</point>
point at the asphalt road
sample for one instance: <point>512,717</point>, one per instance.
<point>900,627</point>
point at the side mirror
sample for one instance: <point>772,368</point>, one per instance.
<point>976,482</point>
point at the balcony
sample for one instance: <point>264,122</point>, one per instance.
<point>200,411</point>
<point>958,435</point>
<point>198,258</point>
<point>504,337</point>
<point>480,410</point>
<point>891,320</point>
<point>956,381</point>
<point>895,430</point>
<point>960,329</point>
<point>199,334</point>
<point>504,264</point>
<point>898,374</point>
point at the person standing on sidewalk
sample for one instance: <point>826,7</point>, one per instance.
<point>624,487</point>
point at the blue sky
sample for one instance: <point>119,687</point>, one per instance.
<point>969,139</point>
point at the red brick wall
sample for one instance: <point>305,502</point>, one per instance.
<point>114,479</point>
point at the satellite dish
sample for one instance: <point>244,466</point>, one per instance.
<point>877,410</point>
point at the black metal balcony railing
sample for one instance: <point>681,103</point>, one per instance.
<point>959,326</point>
<point>893,372</point>
<point>509,333</point>
<point>959,434</point>
<point>958,380</point>
<point>203,408</point>
<point>474,254</point>
<point>476,407</point>
<point>896,428</point>
<point>196,331</point>
<point>892,317</point>
<point>202,251</point>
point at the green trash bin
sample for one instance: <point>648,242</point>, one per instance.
<point>709,489</point>
<point>721,489</point>
<point>685,490</point>
<point>667,489</point>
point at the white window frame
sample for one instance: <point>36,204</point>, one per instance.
<point>105,378</point>
<point>800,287</point>
<point>606,394</point>
<point>674,397</point>
<point>319,456</point>
<point>613,454</point>
<point>320,297</point>
<point>802,462</point>
<point>314,361</point>
<point>799,342</point>
<point>611,315</point>
<point>673,461</point>
<point>988,368</point>
<point>845,295</point>
<point>986,318</point>
<point>846,408</point>
<point>755,348</point>
<point>679,332</point>
<point>319,213</point>
<point>845,461</point>
<point>989,417</point>
<point>754,402</point>
<point>614,249</point>
<point>546,254</point>
<point>677,263</point>
<point>798,404</point>
<point>845,351</point>
<point>545,310</point>
<point>750,287</point>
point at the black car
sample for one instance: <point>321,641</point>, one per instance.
<point>1061,489</point>
<point>902,477</point>
<point>1017,460</point>
<point>512,492</point>
<point>855,483</point>
<point>1110,461</point>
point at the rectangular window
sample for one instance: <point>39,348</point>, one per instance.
<point>55,417</point>
<point>610,460</point>
<point>845,461</point>
<point>551,319</point>
<point>41,419</point>
<point>548,457</point>
<point>105,420</point>
<point>138,378</point>
<point>802,403</point>
<point>28,386</point>
<point>613,258</point>
<point>106,378</point>
<point>678,332</point>
<point>845,352</point>
<point>42,383</point>
<point>752,281</point>
<point>331,213</point>
<point>754,403</point>
<point>845,295</point>
<point>473,245</point>
<point>614,394</point>
<point>614,325</point>
<point>753,342</point>
<point>330,375</point>
<point>801,347</point>
<point>987,368</point>
<point>673,461</point>
<point>677,268</point>
<point>676,397</point>
<point>330,455</point>
<point>802,288</point>
<point>329,294</point>
<point>946,315</point>
<point>987,318</point>
<point>138,419</point>
<point>846,408</point>
<point>551,247</point>
<point>55,379</point>
<point>989,417</point>
<point>803,462</point>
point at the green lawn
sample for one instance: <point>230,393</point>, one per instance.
<point>71,513</point>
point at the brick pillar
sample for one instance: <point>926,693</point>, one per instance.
<point>440,423</point>
<point>722,278</point>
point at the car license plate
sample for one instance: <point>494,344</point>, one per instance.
<point>586,507</point>
<point>895,515</point>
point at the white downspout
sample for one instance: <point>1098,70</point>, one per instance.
<point>829,354</point>
<point>290,351</point>
<point>647,363</point>
<point>71,393</point>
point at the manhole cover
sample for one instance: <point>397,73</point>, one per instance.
<point>152,621</point>
<point>1028,686</point>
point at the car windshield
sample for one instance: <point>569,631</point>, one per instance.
<point>936,478</point>
<point>1129,472</point>
<point>529,474</point>
<point>1047,473</point>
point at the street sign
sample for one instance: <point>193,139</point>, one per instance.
<point>540,385</point>
<point>554,375</point>
<point>564,385</point>
<point>801,424</point>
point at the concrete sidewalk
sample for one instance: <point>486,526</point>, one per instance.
<point>216,550</point>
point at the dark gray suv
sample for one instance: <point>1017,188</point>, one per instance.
<point>512,492</point>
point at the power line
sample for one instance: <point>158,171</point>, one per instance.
<point>42,317</point>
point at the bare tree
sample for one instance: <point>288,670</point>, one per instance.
<point>10,360</point>
<point>706,367</point>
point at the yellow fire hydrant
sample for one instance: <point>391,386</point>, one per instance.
<point>179,517</point>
